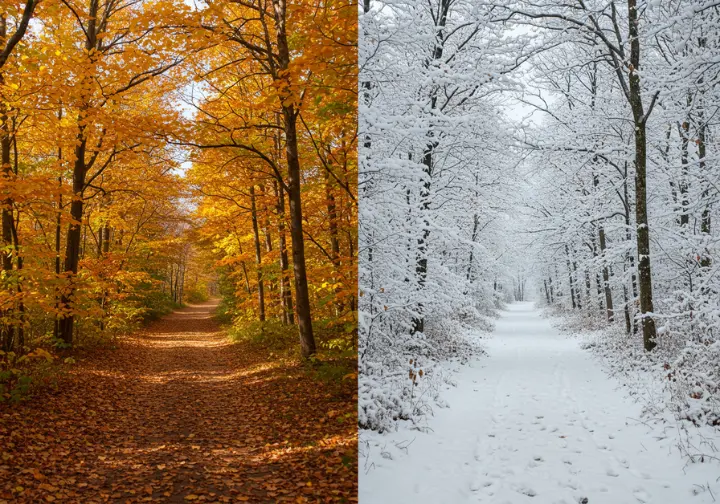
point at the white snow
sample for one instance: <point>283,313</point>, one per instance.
<point>536,421</point>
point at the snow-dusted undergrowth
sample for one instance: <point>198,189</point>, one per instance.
<point>404,382</point>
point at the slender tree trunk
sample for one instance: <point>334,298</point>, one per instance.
<point>552,293</point>
<point>476,223</point>
<point>302,295</point>
<point>270,284</point>
<point>6,328</point>
<point>334,240</point>
<point>58,259</point>
<point>258,256</point>
<point>588,296</point>
<point>641,217</point>
<point>629,259</point>
<point>606,276</point>
<point>705,219</point>
<point>106,238</point>
<point>570,278</point>
<point>244,270</point>
<point>20,328</point>
<point>684,131</point>
<point>285,290</point>
<point>72,249</point>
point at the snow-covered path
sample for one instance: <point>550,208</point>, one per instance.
<point>537,421</point>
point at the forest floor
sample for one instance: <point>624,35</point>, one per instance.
<point>176,413</point>
<point>538,421</point>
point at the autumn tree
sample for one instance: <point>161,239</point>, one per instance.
<point>297,62</point>
<point>13,25</point>
<point>116,64</point>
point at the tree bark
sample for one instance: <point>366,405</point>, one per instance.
<point>302,295</point>
<point>334,240</point>
<point>6,329</point>
<point>72,249</point>
<point>641,217</point>
<point>705,219</point>
<point>684,131</point>
<point>606,276</point>
<point>258,256</point>
<point>570,279</point>
<point>285,290</point>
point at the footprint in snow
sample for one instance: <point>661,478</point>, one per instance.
<point>525,490</point>
<point>641,496</point>
<point>571,484</point>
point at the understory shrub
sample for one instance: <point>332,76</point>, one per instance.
<point>197,295</point>
<point>334,361</point>
<point>20,373</point>
<point>404,382</point>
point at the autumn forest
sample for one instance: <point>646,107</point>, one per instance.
<point>179,227</point>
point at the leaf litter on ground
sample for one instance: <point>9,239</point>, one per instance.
<point>176,413</point>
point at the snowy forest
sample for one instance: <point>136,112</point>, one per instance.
<point>558,152</point>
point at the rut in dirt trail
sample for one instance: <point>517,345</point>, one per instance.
<point>178,414</point>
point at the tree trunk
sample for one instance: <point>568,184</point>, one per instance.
<point>258,256</point>
<point>334,240</point>
<point>285,290</point>
<point>570,279</point>
<point>476,223</point>
<point>606,277</point>
<point>271,285</point>
<point>244,270</point>
<point>72,249</point>
<point>705,219</point>
<point>20,327</point>
<point>6,328</point>
<point>302,296</point>
<point>684,131</point>
<point>552,292</point>
<point>58,236</point>
<point>641,217</point>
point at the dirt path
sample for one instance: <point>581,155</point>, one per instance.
<point>178,414</point>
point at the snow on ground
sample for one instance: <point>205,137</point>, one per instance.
<point>536,421</point>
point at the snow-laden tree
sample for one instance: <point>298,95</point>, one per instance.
<point>434,184</point>
<point>623,160</point>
